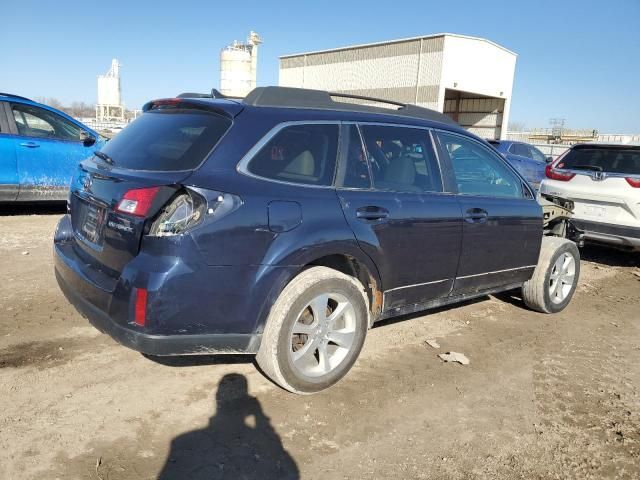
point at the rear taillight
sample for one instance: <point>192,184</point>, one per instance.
<point>189,208</point>
<point>138,201</point>
<point>554,174</point>
<point>633,181</point>
<point>185,211</point>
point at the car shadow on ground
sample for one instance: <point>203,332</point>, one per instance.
<point>239,442</point>
<point>610,256</point>
<point>15,209</point>
<point>200,360</point>
<point>430,311</point>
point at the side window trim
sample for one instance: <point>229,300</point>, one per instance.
<point>243,164</point>
<point>343,152</point>
<point>428,142</point>
<point>492,153</point>
<point>446,168</point>
<point>4,123</point>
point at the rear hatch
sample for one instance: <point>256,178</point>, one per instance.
<point>602,180</point>
<point>115,193</point>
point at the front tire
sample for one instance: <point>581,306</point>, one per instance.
<point>555,277</point>
<point>315,331</point>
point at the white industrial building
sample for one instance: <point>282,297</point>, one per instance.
<point>468,78</point>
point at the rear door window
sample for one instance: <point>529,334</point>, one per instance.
<point>520,150</point>
<point>167,140</point>
<point>612,160</point>
<point>401,159</point>
<point>304,153</point>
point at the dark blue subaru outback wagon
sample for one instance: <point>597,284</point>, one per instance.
<point>286,223</point>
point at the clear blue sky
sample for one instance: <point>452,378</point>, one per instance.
<point>577,59</point>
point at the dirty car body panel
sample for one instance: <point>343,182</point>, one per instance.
<point>40,148</point>
<point>166,288</point>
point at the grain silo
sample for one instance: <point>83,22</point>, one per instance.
<point>109,106</point>
<point>238,63</point>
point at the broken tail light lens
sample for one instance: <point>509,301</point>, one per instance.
<point>138,201</point>
<point>554,174</point>
<point>190,208</point>
<point>185,211</point>
<point>633,181</point>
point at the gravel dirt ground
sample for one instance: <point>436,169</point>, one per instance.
<point>545,396</point>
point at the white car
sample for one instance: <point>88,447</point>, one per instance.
<point>603,181</point>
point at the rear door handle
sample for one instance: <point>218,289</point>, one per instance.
<point>476,215</point>
<point>372,213</point>
<point>30,144</point>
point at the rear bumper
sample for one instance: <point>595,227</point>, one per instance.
<point>192,308</point>
<point>160,345</point>
<point>619,235</point>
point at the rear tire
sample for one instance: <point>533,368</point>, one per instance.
<point>555,278</point>
<point>315,331</point>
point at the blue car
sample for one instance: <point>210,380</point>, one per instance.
<point>40,148</point>
<point>285,224</point>
<point>525,158</point>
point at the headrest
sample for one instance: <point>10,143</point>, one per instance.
<point>401,171</point>
<point>302,164</point>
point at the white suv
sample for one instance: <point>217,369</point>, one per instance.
<point>604,183</point>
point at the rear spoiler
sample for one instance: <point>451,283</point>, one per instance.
<point>226,108</point>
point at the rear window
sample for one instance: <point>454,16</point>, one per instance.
<point>167,140</point>
<point>612,160</point>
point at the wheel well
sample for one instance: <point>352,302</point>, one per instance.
<point>351,266</point>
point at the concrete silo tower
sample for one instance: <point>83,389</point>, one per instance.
<point>109,106</point>
<point>238,66</point>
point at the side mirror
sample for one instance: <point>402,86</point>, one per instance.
<point>549,159</point>
<point>87,139</point>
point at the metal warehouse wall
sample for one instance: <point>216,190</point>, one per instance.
<point>405,71</point>
<point>427,71</point>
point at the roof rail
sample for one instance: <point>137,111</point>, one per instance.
<point>15,96</point>
<point>320,99</point>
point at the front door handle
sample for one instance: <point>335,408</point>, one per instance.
<point>476,215</point>
<point>30,144</point>
<point>372,213</point>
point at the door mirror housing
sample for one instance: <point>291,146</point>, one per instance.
<point>549,159</point>
<point>87,139</point>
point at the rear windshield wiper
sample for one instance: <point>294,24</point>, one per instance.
<point>595,168</point>
<point>104,157</point>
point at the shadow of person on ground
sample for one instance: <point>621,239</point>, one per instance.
<point>239,443</point>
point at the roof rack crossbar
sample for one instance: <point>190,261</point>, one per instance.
<point>15,96</point>
<point>320,99</point>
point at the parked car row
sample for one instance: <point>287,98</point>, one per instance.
<point>40,148</point>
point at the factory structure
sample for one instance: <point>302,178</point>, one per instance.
<point>110,106</point>
<point>468,78</point>
<point>238,66</point>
